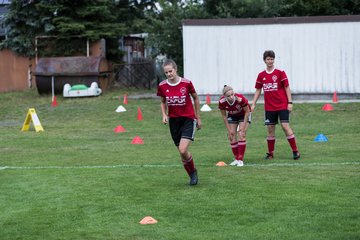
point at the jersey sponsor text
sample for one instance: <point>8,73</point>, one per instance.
<point>270,86</point>
<point>176,100</point>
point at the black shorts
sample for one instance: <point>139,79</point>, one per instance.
<point>271,117</point>
<point>235,119</point>
<point>182,127</point>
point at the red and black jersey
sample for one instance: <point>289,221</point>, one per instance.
<point>178,98</point>
<point>274,84</point>
<point>236,108</point>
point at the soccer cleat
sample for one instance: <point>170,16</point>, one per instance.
<point>296,155</point>
<point>234,163</point>
<point>240,163</point>
<point>193,178</point>
<point>269,156</point>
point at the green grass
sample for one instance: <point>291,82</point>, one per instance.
<point>80,180</point>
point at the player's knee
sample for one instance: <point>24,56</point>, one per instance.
<point>183,152</point>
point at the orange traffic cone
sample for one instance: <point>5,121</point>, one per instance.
<point>335,99</point>
<point>148,220</point>
<point>125,99</point>
<point>139,116</point>
<point>137,140</point>
<point>54,103</point>
<point>327,107</point>
<point>221,164</point>
<point>208,99</point>
<point>119,129</point>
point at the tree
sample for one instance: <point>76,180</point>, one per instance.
<point>165,27</point>
<point>69,23</point>
<point>279,8</point>
<point>22,23</point>
<point>319,8</point>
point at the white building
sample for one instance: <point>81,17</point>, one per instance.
<point>319,54</point>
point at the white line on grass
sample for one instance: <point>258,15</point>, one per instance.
<point>173,165</point>
<point>301,164</point>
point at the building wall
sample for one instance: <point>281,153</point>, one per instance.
<point>318,57</point>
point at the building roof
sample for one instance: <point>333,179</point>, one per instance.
<point>276,20</point>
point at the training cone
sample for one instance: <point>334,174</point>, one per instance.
<point>327,107</point>
<point>320,138</point>
<point>119,129</point>
<point>205,108</point>
<point>148,220</point>
<point>221,164</point>
<point>139,116</point>
<point>54,103</point>
<point>335,99</point>
<point>208,99</point>
<point>125,99</point>
<point>120,109</point>
<point>137,140</point>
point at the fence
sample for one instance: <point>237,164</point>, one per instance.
<point>138,75</point>
<point>15,71</point>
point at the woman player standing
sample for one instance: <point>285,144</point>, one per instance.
<point>177,110</point>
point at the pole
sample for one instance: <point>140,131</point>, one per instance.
<point>87,48</point>
<point>52,88</point>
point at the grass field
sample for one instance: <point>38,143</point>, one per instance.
<point>80,180</point>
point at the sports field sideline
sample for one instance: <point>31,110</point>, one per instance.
<point>177,165</point>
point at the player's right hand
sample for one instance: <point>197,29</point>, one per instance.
<point>165,119</point>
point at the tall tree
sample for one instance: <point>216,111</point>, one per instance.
<point>165,27</point>
<point>68,23</point>
<point>22,23</point>
<point>280,8</point>
<point>320,7</point>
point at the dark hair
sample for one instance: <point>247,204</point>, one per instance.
<point>268,53</point>
<point>170,62</point>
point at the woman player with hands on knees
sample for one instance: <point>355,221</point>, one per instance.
<point>177,110</point>
<point>236,114</point>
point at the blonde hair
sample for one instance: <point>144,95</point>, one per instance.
<point>170,62</point>
<point>226,89</point>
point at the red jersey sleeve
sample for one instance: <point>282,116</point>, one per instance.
<point>222,100</point>
<point>284,79</point>
<point>160,92</point>
<point>191,87</point>
<point>259,82</point>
